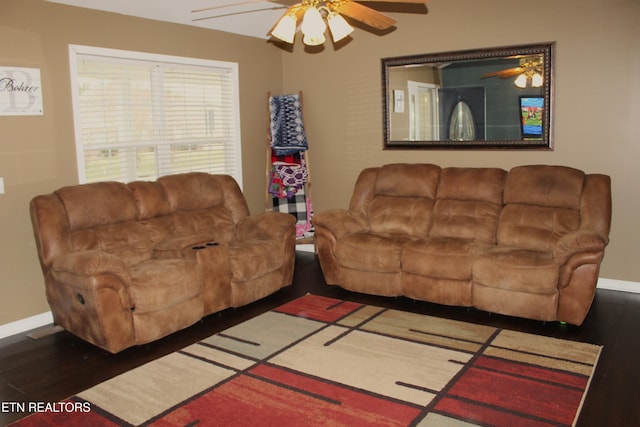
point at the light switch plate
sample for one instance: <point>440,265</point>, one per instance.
<point>1,185</point>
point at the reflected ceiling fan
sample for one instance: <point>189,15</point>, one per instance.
<point>312,14</point>
<point>529,72</point>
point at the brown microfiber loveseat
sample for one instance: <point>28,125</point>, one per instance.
<point>525,243</point>
<point>126,264</point>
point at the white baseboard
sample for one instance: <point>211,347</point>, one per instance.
<point>619,285</point>
<point>23,325</point>
<point>43,319</point>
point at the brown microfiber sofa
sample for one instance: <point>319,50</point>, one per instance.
<point>126,264</point>
<point>527,243</point>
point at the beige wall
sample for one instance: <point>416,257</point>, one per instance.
<point>597,106</point>
<point>597,102</point>
<point>37,154</point>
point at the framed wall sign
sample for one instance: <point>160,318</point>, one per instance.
<point>20,91</point>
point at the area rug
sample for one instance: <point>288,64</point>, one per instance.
<point>320,361</point>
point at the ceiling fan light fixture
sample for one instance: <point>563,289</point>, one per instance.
<point>521,81</point>
<point>536,80</point>
<point>285,29</point>
<point>313,27</point>
<point>339,26</point>
<point>313,40</point>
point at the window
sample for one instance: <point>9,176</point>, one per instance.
<point>141,116</point>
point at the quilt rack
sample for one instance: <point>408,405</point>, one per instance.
<point>288,169</point>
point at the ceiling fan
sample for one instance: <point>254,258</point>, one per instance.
<point>312,14</point>
<point>529,72</point>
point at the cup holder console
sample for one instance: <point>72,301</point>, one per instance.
<point>204,246</point>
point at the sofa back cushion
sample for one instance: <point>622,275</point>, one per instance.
<point>468,204</point>
<point>190,204</point>
<point>541,204</point>
<point>197,190</point>
<point>154,210</point>
<point>102,216</point>
<point>402,199</point>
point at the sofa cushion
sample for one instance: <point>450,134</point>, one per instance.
<point>126,240</point>
<point>542,203</point>
<point>100,203</point>
<point>468,203</point>
<point>400,216</point>
<point>535,227</point>
<point>401,204</point>
<point>249,259</point>
<point>517,269</point>
<point>370,252</point>
<point>150,326</point>
<point>192,191</point>
<point>157,284</point>
<point>150,199</point>
<point>167,212</point>
<point>102,216</point>
<point>407,180</point>
<point>542,185</point>
<point>197,190</point>
<point>441,258</point>
<point>465,219</point>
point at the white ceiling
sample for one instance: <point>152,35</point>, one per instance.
<point>256,22</point>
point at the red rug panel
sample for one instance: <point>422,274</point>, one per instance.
<point>293,401</point>
<point>517,392</point>
<point>566,379</point>
<point>319,308</point>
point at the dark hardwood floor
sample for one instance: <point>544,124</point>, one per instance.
<point>60,365</point>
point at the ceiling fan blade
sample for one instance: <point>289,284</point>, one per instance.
<point>503,74</point>
<point>285,2</point>
<point>206,9</point>
<point>364,14</point>
<point>395,1</point>
<point>236,13</point>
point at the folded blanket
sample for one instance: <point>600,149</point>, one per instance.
<point>300,207</point>
<point>287,128</point>
<point>288,174</point>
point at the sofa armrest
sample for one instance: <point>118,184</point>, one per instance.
<point>88,292</point>
<point>340,222</point>
<point>266,226</point>
<point>87,275</point>
<point>578,242</point>
<point>87,264</point>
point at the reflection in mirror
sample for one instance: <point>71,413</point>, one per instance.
<point>462,127</point>
<point>494,98</point>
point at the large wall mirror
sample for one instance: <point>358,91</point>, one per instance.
<point>483,98</point>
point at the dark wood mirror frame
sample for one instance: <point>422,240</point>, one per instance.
<point>477,63</point>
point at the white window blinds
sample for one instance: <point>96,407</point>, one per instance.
<point>142,116</point>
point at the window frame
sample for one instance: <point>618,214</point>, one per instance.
<point>75,51</point>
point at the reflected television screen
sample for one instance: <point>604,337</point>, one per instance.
<point>531,111</point>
